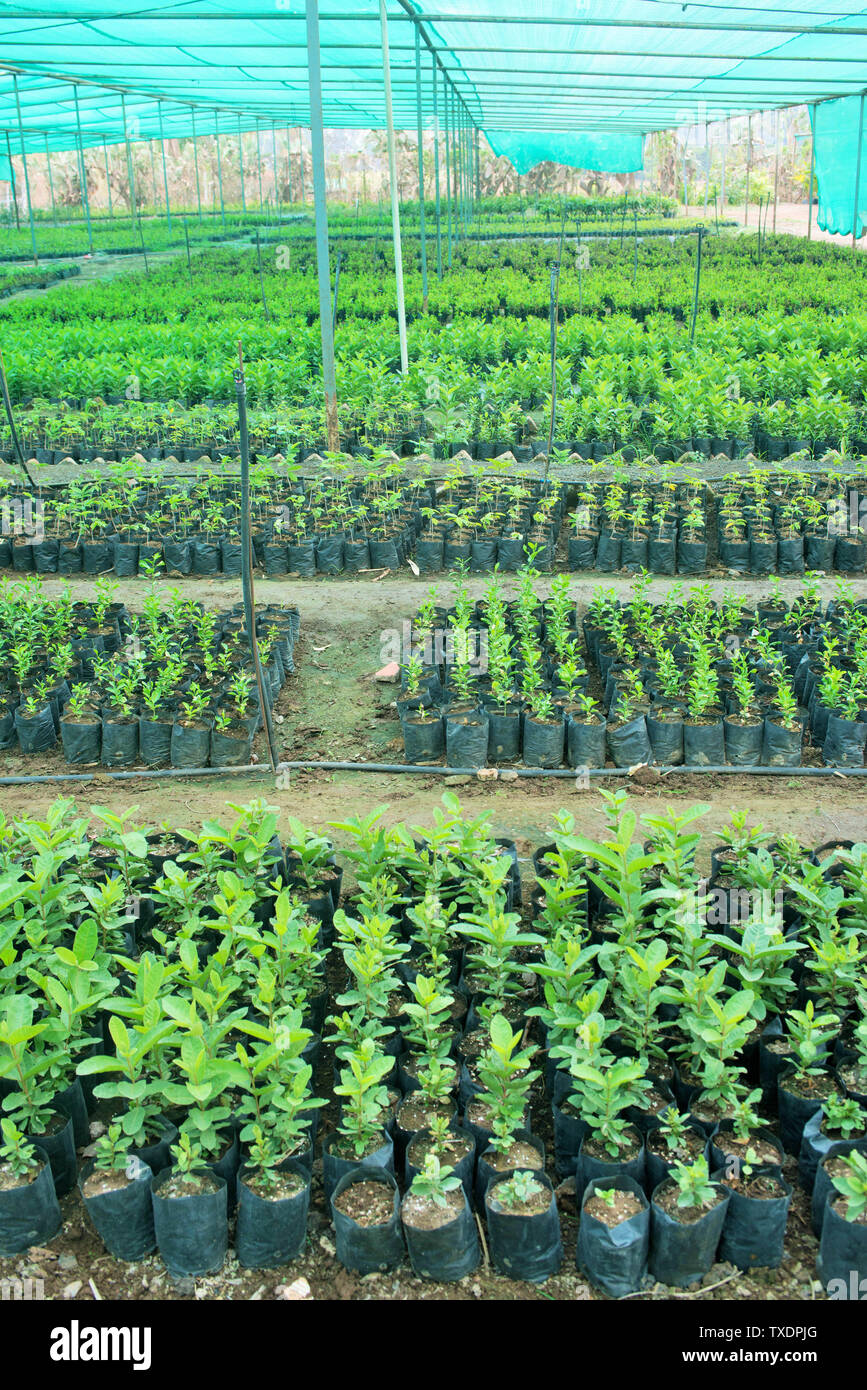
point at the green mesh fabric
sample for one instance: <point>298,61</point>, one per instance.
<point>835,131</point>
<point>579,81</point>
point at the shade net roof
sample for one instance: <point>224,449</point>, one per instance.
<point>578,81</point>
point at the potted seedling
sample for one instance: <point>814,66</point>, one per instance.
<point>438,1224</point>
<point>361,1139</point>
<point>191,731</point>
<point>523,1225</point>
<point>116,1191</point>
<point>190,1212</point>
<point>29,1210</point>
<point>842,1258</point>
<point>81,728</point>
<point>688,1212</point>
<point>806,1084</point>
<point>614,1235</point>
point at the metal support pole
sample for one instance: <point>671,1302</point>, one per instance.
<point>289,160</point>
<point>219,170</point>
<point>107,180</point>
<point>153,173</point>
<point>448,164</point>
<point>196,162</point>
<point>706,164</point>
<point>424,284</point>
<point>84,197</point>
<point>685,190</point>
<point>301,160</point>
<point>323,270</point>
<point>437,170</point>
<point>276,176</point>
<point>392,178</point>
<point>478,166</point>
<point>815,111</point>
<point>858,172</point>
<point>749,160</point>
<point>26,175</point>
<point>241,165</point>
<point>50,181</point>
<point>725,144</point>
<point>12,179</point>
<point>259,165</point>
<point>129,168</point>
<point>776,165</point>
<point>165,171</point>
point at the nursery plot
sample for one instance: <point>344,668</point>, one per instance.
<point>175,686</point>
<point>183,921</point>
<point>776,364</point>
<point>498,680</point>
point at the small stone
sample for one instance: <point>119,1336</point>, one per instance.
<point>488,774</point>
<point>96,1129</point>
<point>326,1245</point>
<point>71,1290</point>
<point>457,781</point>
<point>508,774</point>
<point>185,1284</point>
<point>67,1261</point>
<point>476,1290</point>
<point>297,1291</point>
<point>388,674</point>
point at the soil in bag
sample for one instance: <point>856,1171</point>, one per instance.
<point>691,557</point>
<point>608,552</point>
<point>582,551</point>
<point>36,733</point>
<point>504,736</point>
<point>525,1243</point>
<point>272,1219</point>
<point>665,731</point>
<point>155,741</point>
<point>275,559</point>
<point>68,558</point>
<point>662,555</point>
<point>205,555</point>
<point>365,1208</point>
<point>231,551</point>
<point>442,1245</point>
<point>614,1239</point>
<point>120,1205</point>
<point>230,750</point>
<point>842,1250</point>
<point>743,743</point>
<point>704,744</point>
<point>22,557</point>
<point>119,742</point>
<point>45,556</point>
<point>633,554</point>
<point>329,555</point>
<point>543,742</point>
<point>629,743</point>
<point>467,740</point>
<point>428,554</point>
<point>423,739</point>
<point>510,552</point>
<point>735,556</point>
<point>29,1214</point>
<point>483,556</point>
<point>455,553</point>
<point>755,1223</point>
<point>191,745</point>
<point>790,555</point>
<point>384,555</point>
<point>683,1250</point>
<point>59,1148</point>
<point>81,740</point>
<point>850,554</point>
<point>97,557</point>
<point>585,743</point>
<point>125,559</point>
<point>178,556</point>
<point>781,747</point>
<point>594,1161</point>
<point>844,742</point>
<point>191,1222</point>
<point>335,1167</point>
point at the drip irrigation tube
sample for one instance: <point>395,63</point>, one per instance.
<point>568,773</point>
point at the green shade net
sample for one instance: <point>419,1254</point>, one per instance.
<point>534,79</point>
<point>616,154</point>
<point>7,172</point>
<point>835,132</point>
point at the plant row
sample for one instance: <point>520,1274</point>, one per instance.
<point>686,681</point>
<point>687,1036</point>
<point>178,685</point>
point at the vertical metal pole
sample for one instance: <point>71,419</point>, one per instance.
<point>129,168</point>
<point>424,285</point>
<point>725,143</point>
<point>84,198</point>
<point>437,169</point>
<point>107,180</point>
<point>241,164</point>
<point>153,173</point>
<point>50,181</point>
<point>289,160</point>
<point>219,170</point>
<point>259,165</point>
<point>749,161</point>
<point>776,164</point>
<point>276,179</point>
<point>12,179</point>
<point>815,110</point>
<point>858,172</point>
<point>706,164</point>
<point>392,178</point>
<point>165,172</point>
<point>323,270</point>
<point>196,162</point>
<point>448,164</point>
<point>301,159</point>
<point>478,166</point>
<point>26,175</point>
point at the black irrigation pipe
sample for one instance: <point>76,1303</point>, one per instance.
<point>569,773</point>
